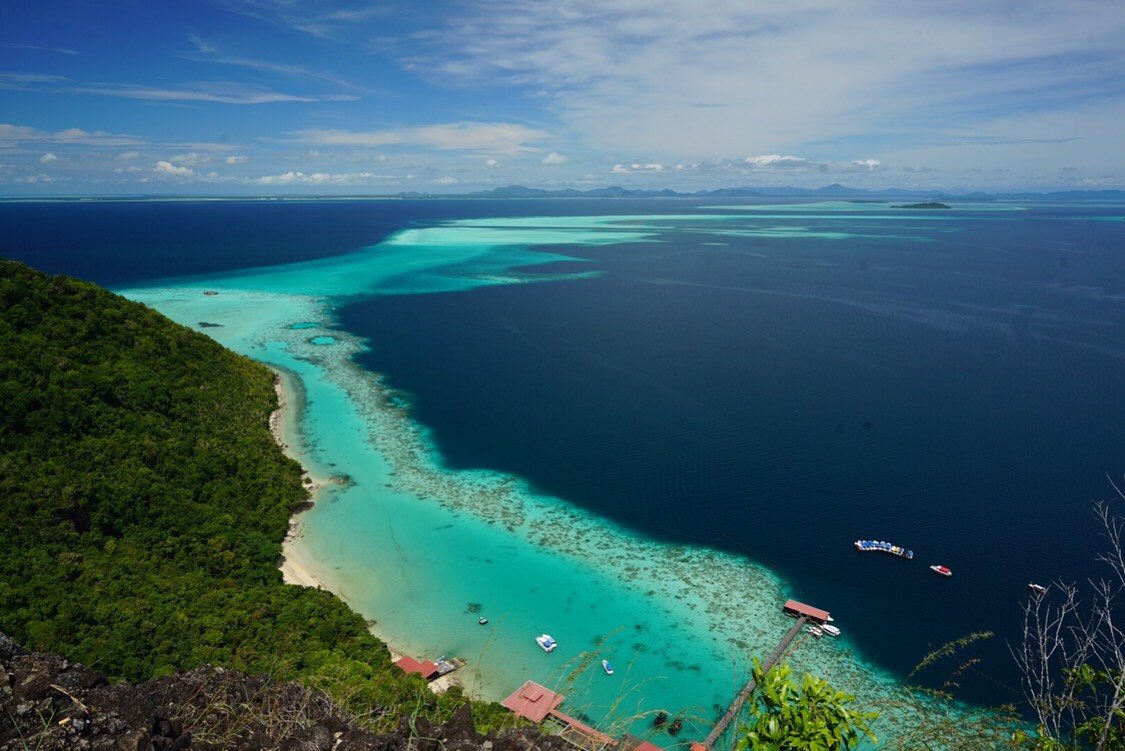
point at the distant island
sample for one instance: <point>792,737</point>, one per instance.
<point>923,205</point>
<point>835,191</point>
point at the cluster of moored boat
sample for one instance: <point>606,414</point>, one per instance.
<point>820,630</point>
<point>879,546</point>
<point>674,728</point>
<point>547,643</point>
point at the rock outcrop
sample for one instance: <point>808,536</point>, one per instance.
<point>50,704</point>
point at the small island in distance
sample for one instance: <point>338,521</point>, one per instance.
<point>923,205</point>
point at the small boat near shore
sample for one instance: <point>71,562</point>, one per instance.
<point>816,631</point>
<point>1037,589</point>
<point>607,666</point>
<point>546,642</point>
<point>829,629</point>
<point>881,546</point>
<point>482,620</point>
<point>943,570</point>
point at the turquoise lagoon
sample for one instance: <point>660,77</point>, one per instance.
<point>422,551</point>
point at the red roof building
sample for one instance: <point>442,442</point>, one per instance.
<point>798,609</point>
<point>633,743</point>
<point>427,669</point>
<point>533,702</point>
<point>597,738</point>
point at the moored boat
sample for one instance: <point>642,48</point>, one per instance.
<point>1037,589</point>
<point>943,570</point>
<point>816,631</point>
<point>882,546</point>
<point>607,667</point>
<point>546,642</point>
<point>829,629</point>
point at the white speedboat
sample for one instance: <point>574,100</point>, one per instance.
<point>607,667</point>
<point>816,631</point>
<point>943,570</point>
<point>829,629</point>
<point>546,642</point>
<point>1038,589</point>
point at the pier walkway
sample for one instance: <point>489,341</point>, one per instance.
<point>744,694</point>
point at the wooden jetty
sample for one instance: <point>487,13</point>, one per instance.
<point>804,614</point>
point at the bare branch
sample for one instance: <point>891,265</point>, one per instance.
<point>1071,655</point>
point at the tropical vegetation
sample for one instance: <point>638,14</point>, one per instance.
<point>144,503</point>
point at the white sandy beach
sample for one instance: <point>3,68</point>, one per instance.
<point>282,422</point>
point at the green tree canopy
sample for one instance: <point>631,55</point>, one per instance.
<point>810,716</point>
<point>143,504</point>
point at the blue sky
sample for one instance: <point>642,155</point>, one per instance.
<point>334,96</point>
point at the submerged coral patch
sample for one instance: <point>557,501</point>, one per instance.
<point>680,623</point>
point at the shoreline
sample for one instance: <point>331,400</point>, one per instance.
<point>517,551</point>
<point>284,429</point>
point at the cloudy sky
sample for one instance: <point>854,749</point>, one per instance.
<point>378,96</point>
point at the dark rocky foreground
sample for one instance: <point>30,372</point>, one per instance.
<point>48,704</point>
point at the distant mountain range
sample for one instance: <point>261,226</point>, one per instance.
<point>835,190</point>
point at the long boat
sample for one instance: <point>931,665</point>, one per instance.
<point>879,546</point>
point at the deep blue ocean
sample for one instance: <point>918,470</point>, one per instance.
<point>952,382</point>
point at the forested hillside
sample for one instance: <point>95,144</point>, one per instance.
<point>143,503</point>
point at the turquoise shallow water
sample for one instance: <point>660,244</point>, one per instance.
<point>422,550</point>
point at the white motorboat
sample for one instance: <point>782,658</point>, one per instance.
<point>546,642</point>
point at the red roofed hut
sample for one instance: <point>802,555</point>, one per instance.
<point>427,669</point>
<point>533,702</point>
<point>798,609</point>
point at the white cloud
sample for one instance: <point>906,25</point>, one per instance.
<point>167,168</point>
<point>10,80</point>
<point>11,135</point>
<point>447,180</point>
<point>317,178</point>
<point>36,179</point>
<point>554,158</point>
<point>127,156</point>
<point>48,158</point>
<point>223,92</point>
<point>496,138</point>
<point>209,52</point>
<point>36,47</point>
<point>777,161</point>
<point>651,167</point>
<point>867,164</point>
<point>790,163</point>
<point>700,81</point>
<point>236,159</point>
<point>492,163</point>
<point>190,160</point>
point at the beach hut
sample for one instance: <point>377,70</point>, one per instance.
<point>426,668</point>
